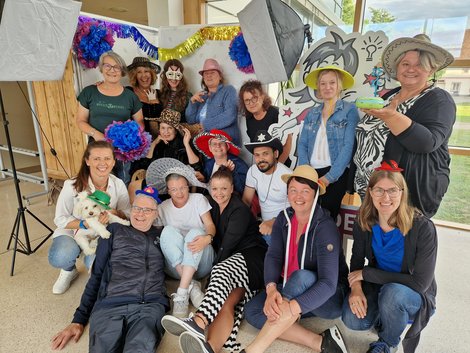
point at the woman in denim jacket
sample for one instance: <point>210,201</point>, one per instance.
<point>327,138</point>
<point>216,106</point>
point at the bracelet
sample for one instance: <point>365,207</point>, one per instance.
<point>212,237</point>
<point>82,224</point>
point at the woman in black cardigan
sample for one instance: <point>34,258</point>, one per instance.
<point>235,278</point>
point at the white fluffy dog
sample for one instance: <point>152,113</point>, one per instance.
<point>89,210</point>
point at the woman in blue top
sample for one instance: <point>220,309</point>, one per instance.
<point>397,284</point>
<point>216,106</point>
<point>327,138</point>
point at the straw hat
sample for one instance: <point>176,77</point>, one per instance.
<point>160,168</point>
<point>418,42</point>
<point>312,77</point>
<point>264,139</point>
<point>140,61</point>
<point>201,141</point>
<point>307,172</point>
<point>210,64</point>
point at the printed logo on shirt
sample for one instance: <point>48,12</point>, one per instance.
<point>109,105</point>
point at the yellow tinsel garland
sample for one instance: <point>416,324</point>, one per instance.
<point>197,40</point>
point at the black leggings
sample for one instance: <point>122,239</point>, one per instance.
<point>331,200</point>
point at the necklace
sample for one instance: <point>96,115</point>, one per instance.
<point>269,187</point>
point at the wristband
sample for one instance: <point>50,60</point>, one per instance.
<point>82,224</point>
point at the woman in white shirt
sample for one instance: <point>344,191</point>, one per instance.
<point>94,174</point>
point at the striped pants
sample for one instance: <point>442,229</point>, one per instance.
<point>226,276</point>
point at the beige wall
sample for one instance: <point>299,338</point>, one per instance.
<point>20,124</point>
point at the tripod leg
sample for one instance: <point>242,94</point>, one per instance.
<point>13,234</point>
<point>45,226</point>
<point>15,246</point>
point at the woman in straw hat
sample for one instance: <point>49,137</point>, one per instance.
<point>215,107</point>
<point>305,273</point>
<point>415,125</point>
<point>398,284</point>
<point>235,277</point>
<point>142,76</point>
<point>327,138</point>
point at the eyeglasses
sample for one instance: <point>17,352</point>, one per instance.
<point>108,67</point>
<point>180,189</point>
<point>253,100</point>
<point>217,144</point>
<point>392,192</point>
<point>145,210</point>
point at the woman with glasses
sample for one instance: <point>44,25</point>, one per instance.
<point>215,106</point>
<point>188,230</point>
<point>400,245</point>
<point>260,114</point>
<point>101,105</point>
<point>235,277</point>
<point>327,138</point>
<point>142,76</point>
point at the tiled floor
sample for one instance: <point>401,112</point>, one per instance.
<point>30,314</point>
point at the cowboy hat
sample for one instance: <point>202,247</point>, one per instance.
<point>140,61</point>
<point>418,42</point>
<point>201,141</point>
<point>264,139</point>
<point>160,168</point>
<point>210,64</point>
<point>307,172</point>
<point>312,77</point>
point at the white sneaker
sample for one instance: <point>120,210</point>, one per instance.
<point>195,293</point>
<point>180,305</point>
<point>64,281</point>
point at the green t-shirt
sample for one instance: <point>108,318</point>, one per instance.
<point>106,109</point>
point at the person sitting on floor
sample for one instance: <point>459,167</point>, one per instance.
<point>125,297</point>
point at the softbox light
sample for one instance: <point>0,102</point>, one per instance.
<point>35,38</point>
<point>274,35</point>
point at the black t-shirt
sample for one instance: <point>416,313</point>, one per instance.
<point>253,125</point>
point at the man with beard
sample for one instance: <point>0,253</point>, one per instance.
<point>264,178</point>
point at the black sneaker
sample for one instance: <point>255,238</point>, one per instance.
<point>380,347</point>
<point>177,326</point>
<point>333,341</point>
<point>190,343</point>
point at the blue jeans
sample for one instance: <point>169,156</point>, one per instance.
<point>298,283</point>
<point>64,251</point>
<point>389,308</point>
<point>175,249</point>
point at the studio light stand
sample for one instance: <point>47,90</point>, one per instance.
<point>19,245</point>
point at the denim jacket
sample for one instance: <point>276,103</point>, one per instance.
<point>340,130</point>
<point>222,112</point>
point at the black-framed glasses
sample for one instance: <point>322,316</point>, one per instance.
<point>253,100</point>
<point>145,210</point>
<point>109,67</point>
<point>392,192</point>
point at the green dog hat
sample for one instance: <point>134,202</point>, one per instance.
<point>101,198</point>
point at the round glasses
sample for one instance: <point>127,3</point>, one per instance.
<point>253,100</point>
<point>392,192</point>
<point>109,67</point>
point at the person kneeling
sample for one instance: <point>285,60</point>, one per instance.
<point>125,297</point>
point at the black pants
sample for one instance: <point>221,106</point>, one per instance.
<point>127,328</point>
<point>331,200</point>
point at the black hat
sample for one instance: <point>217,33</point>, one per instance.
<point>140,61</point>
<point>264,139</point>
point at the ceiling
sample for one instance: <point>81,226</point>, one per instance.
<point>127,10</point>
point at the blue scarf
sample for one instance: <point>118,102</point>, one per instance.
<point>389,248</point>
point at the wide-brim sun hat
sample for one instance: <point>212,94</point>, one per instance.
<point>101,198</point>
<point>201,141</point>
<point>312,77</point>
<point>140,61</point>
<point>264,139</point>
<point>307,172</point>
<point>210,64</point>
<point>160,168</point>
<point>419,42</point>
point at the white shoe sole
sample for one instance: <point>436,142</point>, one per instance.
<point>191,344</point>
<point>67,288</point>
<point>176,327</point>
<point>338,338</point>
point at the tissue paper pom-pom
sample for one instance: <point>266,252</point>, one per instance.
<point>239,54</point>
<point>131,141</point>
<point>91,40</point>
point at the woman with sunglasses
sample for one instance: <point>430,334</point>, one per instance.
<point>397,284</point>
<point>260,114</point>
<point>101,105</point>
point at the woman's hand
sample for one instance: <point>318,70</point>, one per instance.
<point>186,136</point>
<point>272,305</point>
<point>104,217</point>
<point>199,243</point>
<point>230,165</point>
<point>198,97</point>
<point>72,331</point>
<point>354,277</point>
<point>358,302</point>
<point>386,113</point>
<point>161,139</point>
<point>324,181</point>
<point>200,176</point>
<point>151,94</point>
